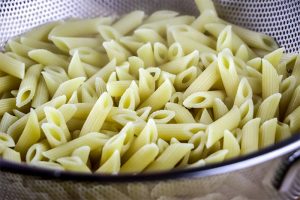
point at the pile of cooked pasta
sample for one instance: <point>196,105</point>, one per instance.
<point>144,93</point>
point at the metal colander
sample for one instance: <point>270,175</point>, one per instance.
<point>278,18</point>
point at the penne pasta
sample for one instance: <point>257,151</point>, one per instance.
<point>181,114</point>
<point>12,66</point>
<point>203,99</point>
<point>250,136</point>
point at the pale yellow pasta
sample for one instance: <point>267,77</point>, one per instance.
<point>247,112</point>
<point>205,80</point>
<point>275,56</point>
<point>88,94</point>
<point>42,95</point>
<point>46,57</point>
<point>286,88</point>
<point>219,108</point>
<point>294,101</point>
<point>143,113</point>
<point>128,100</point>
<point>116,51</point>
<point>244,92</point>
<point>283,131</point>
<point>160,53</point>
<point>145,53</point>
<point>231,144</point>
<point>79,27</point>
<point>162,116</point>
<point>250,136</point>
<point>135,63</point>
<point>12,66</point>
<point>8,82</point>
<point>65,44</point>
<point>11,155</point>
<point>207,58</point>
<point>16,128</point>
<point>123,73</point>
<point>112,165</point>
<point>83,153</point>
<point>205,117</point>
<point>30,135</point>
<point>19,48</point>
<point>18,113</point>
<point>293,120</point>
<point>36,44</point>
<point>41,32</point>
<point>175,51</point>
<point>270,79</point>
<point>76,68</point>
<point>48,165</point>
<point>185,78</point>
<point>6,140</point>
<point>6,121</point>
<point>108,33</point>
<point>140,159</point>
<point>90,56</point>
<point>203,99</point>
<point>117,88</point>
<point>148,35</point>
<point>7,105</point>
<point>28,85</point>
<point>34,153</point>
<point>28,62</point>
<point>206,17</point>
<point>182,115</point>
<point>215,130</point>
<point>131,43</point>
<point>55,135</point>
<point>268,107</point>
<point>216,157</point>
<point>104,72</point>
<point>124,118</point>
<point>204,5</point>
<point>68,87</point>
<point>129,22</point>
<point>160,15</point>
<point>166,76</point>
<point>267,133</point>
<point>163,93</point>
<point>100,86</point>
<point>73,163</point>
<point>93,140</point>
<point>242,53</point>
<point>95,120</point>
<point>228,73</point>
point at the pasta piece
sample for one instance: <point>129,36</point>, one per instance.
<point>28,85</point>
<point>104,72</point>
<point>165,76</point>
<point>216,157</point>
<point>294,101</point>
<point>267,109</point>
<point>135,63</point>
<point>127,100</point>
<point>143,113</point>
<point>148,135</point>
<point>28,62</point>
<point>16,128</point>
<point>83,153</point>
<point>65,44</point>
<point>30,135</point>
<point>129,22</point>
<point>185,78</point>
<point>203,99</point>
<point>256,63</point>
<point>18,48</point>
<point>175,51</point>
<point>7,105</point>
<point>34,153</point>
<point>160,53</point>
<point>131,43</point>
<point>74,98</point>
<point>123,73</point>
<point>41,32</point>
<point>182,115</point>
<point>198,140</point>
<point>215,130</point>
<point>161,15</point>
<point>247,112</point>
<point>205,117</point>
<point>11,155</point>
<point>100,86</point>
<point>95,121</point>
<point>293,120</point>
<point>242,53</point>
<point>93,140</point>
<point>283,131</point>
<point>12,66</point>
<point>231,144</point>
<point>270,79</point>
<point>228,74</point>
<point>18,113</point>
<point>144,156</point>
<point>112,165</point>
<point>68,87</point>
<point>6,121</point>
<point>116,51</point>
<point>78,28</point>
<point>206,17</point>
<point>90,56</point>
<point>250,136</point>
<point>48,165</point>
<point>73,163</point>
<point>108,33</point>
<point>244,92</point>
<point>275,56</point>
<point>204,81</point>
<point>207,58</point>
<point>8,83</point>
<point>6,140</point>
<point>145,53</point>
<point>286,88</point>
<point>164,93</point>
<point>146,35</point>
<point>162,145</point>
<point>204,5</point>
<point>75,68</point>
<point>36,44</point>
<point>219,108</point>
<point>117,88</point>
<point>41,95</point>
<point>46,57</point>
<point>162,116</point>
<point>267,133</point>
<point>170,157</point>
<point>177,98</point>
<point>55,135</point>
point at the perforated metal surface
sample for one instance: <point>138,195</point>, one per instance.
<point>278,18</point>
